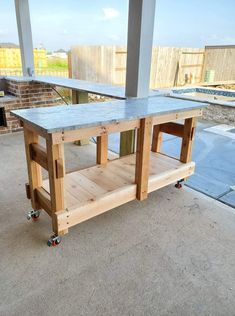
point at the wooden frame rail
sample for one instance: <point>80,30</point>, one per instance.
<point>39,155</point>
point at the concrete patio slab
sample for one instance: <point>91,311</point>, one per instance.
<point>229,198</point>
<point>172,254</point>
<point>208,186</point>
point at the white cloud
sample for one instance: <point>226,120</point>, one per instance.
<point>3,31</point>
<point>110,13</point>
<point>113,37</point>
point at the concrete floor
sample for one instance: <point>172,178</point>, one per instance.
<point>172,254</point>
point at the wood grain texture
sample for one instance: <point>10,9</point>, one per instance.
<point>157,139</point>
<point>172,128</point>
<point>187,140</point>
<point>39,154</point>
<point>54,153</point>
<point>97,189</point>
<point>142,158</point>
<point>34,169</point>
<point>109,64</point>
<point>43,199</point>
<point>102,149</point>
<point>127,142</point>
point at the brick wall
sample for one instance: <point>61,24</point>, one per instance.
<point>25,94</point>
<point>13,124</point>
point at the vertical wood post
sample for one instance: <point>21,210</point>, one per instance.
<point>25,36</point>
<point>127,143</point>
<point>187,140</point>
<point>55,156</point>
<point>143,157</point>
<point>157,139</point>
<point>139,52</point>
<point>77,98</point>
<point>102,149</point>
<point>34,169</point>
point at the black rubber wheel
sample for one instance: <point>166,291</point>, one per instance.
<point>58,241</point>
<point>178,185</point>
<point>49,243</point>
<point>54,242</point>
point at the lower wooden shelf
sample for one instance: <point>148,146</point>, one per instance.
<point>92,191</point>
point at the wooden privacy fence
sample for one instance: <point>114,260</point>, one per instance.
<point>221,61</point>
<point>171,66</point>
<point>107,64</point>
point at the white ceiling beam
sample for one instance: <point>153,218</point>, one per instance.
<point>139,47</point>
<point>25,36</point>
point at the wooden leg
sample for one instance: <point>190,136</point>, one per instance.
<point>142,158</point>
<point>127,143</point>
<point>187,140</point>
<point>102,149</point>
<point>55,156</point>
<point>157,139</point>
<point>34,169</point>
<point>80,97</point>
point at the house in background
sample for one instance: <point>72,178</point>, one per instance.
<point>10,57</point>
<point>60,53</point>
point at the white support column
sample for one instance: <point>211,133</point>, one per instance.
<point>139,54</point>
<point>139,47</point>
<point>25,36</point>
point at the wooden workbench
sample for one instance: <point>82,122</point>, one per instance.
<point>72,198</point>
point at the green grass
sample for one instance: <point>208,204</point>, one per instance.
<point>57,64</point>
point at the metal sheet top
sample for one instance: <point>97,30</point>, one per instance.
<point>103,89</point>
<point>83,85</point>
<point>60,118</point>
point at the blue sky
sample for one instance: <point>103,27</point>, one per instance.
<point>63,23</point>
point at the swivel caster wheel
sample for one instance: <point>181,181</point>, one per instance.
<point>54,241</point>
<point>34,215</point>
<point>178,185</point>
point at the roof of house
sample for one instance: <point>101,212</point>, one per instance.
<point>8,45</point>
